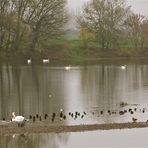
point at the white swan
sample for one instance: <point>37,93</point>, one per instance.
<point>123,67</point>
<point>46,60</point>
<point>29,61</point>
<point>68,67</point>
<point>20,120</point>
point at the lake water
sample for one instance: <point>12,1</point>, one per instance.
<point>92,91</point>
<point>95,91</point>
<point>129,138</point>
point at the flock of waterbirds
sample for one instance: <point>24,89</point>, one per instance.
<point>46,60</point>
<point>68,67</point>
<point>62,116</point>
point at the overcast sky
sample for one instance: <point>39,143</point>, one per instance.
<point>138,6</point>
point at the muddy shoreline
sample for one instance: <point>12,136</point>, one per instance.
<point>31,129</point>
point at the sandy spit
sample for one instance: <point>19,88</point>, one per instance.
<point>30,129</point>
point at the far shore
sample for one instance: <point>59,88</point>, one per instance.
<point>34,129</point>
<point>117,60</point>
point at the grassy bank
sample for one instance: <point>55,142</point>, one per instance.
<point>72,48</point>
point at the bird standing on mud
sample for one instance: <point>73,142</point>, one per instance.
<point>134,119</point>
<point>20,120</point>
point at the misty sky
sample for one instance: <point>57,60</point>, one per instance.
<point>138,6</point>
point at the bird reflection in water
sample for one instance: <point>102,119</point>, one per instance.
<point>22,138</point>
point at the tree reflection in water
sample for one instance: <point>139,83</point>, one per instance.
<point>31,90</point>
<point>33,141</point>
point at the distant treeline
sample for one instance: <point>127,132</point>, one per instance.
<point>33,27</point>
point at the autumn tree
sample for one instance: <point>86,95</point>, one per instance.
<point>137,29</point>
<point>106,19</point>
<point>86,36</point>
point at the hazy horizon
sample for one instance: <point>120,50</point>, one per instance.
<point>138,6</point>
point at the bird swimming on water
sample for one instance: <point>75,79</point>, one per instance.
<point>68,67</point>
<point>29,61</point>
<point>123,67</point>
<point>46,60</point>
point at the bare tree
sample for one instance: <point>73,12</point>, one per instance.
<point>106,19</point>
<point>4,4</point>
<point>45,18</point>
<point>12,27</point>
<point>24,22</point>
<point>20,8</point>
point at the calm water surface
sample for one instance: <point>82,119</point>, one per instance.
<point>45,89</point>
<point>133,138</point>
<point>95,91</point>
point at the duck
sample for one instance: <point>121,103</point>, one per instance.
<point>20,120</point>
<point>123,104</point>
<point>40,118</point>
<point>37,116</point>
<point>121,112</point>
<point>134,119</point>
<point>45,116</point>
<point>34,118</point>
<point>101,112</point>
<point>46,60</point>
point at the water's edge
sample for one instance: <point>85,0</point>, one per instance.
<point>7,129</point>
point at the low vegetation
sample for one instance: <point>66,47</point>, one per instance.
<point>36,29</point>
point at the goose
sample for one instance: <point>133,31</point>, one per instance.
<point>20,120</point>
<point>46,60</point>
<point>29,61</point>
